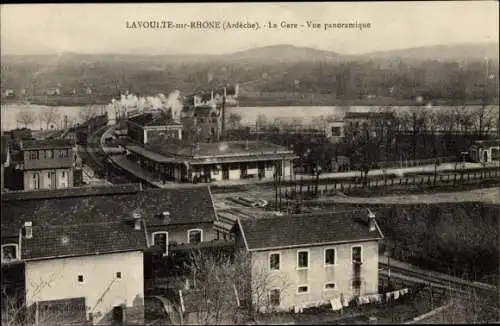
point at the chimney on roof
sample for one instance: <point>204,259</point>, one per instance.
<point>28,229</point>
<point>166,216</point>
<point>371,221</point>
<point>137,220</point>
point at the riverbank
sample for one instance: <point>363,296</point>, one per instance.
<point>258,99</point>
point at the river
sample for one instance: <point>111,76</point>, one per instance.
<point>249,114</point>
<point>10,114</point>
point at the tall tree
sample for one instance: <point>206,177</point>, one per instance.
<point>49,116</point>
<point>25,118</point>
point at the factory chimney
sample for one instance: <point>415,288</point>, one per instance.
<point>223,116</point>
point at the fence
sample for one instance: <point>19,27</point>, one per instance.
<point>412,163</point>
<point>419,181</point>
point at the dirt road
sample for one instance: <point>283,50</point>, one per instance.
<point>486,195</point>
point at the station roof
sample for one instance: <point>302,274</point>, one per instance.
<point>212,153</point>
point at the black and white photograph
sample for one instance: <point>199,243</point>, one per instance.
<point>273,163</point>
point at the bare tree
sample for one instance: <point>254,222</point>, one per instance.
<point>225,284</point>
<point>262,122</point>
<point>234,120</point>
<point>25,118</point>
<point>15,309</point>
<point>484,119</point>
<point>213,289</point>
<point>49,116</point>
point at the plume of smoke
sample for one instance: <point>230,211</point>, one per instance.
<point>174,103</point>
<point>130,102</point>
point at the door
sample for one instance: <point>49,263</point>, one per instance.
<point>118,316</point>
<point>35,180</point>
<point>225,173</point>
<point>207,173</point>
<point>262,170</point>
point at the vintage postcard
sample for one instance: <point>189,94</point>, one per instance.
<point>250,163</point>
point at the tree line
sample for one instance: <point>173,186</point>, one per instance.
<point>475,81</point>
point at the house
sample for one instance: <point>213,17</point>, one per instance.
<point>202,123</point>
<point>373,123</point>
<point>111,221</point>
<point>172,216</point>
<point>334,131</point>
<point>9,93</point>
<point>232,160</point>
<point>485,151</point>
<point>47,164</point>
<point>94,270</point>
<point>144,127</point>
<point>309,259</point>
<point>53,92</point>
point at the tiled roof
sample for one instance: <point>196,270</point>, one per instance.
<point>186,205</point>
<point>150,119</point>
<point>129,188</point>
<point>307,229</point>
<point>59,163</point>
<point>86,239</point>
<point>230,148</point>
<point>47,144</point>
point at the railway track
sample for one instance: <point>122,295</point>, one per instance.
<point>458,286</point>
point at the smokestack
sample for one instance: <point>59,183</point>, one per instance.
<point>28,228</point>
<point>223,117</point>
<point>371,221</point>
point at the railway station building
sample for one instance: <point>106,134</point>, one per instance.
<point>212,162</point>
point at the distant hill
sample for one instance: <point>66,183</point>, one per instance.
<point>283,53</point>
<point>457,52</point>
<point>279,53</point>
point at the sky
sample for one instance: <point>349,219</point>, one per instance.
<point>102,28</point>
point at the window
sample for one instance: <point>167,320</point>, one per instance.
<point>63,174</point>
<point>275,297</point>
<point>161,239</point>
<point>49,153</point>
<point>302,289</point>
<point>63,153</point>
<point>357,255</point>
<point>118,274</point>
<point>330,257</point>
<point>329,286</point>
<point>274,261</point>
<point>303,259</point>
<point>356,283</point>
<point>336,131</point>
<point>195,236</point>
<point>9,252</point>
<point>33,155</point>
<point>80,278</point>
